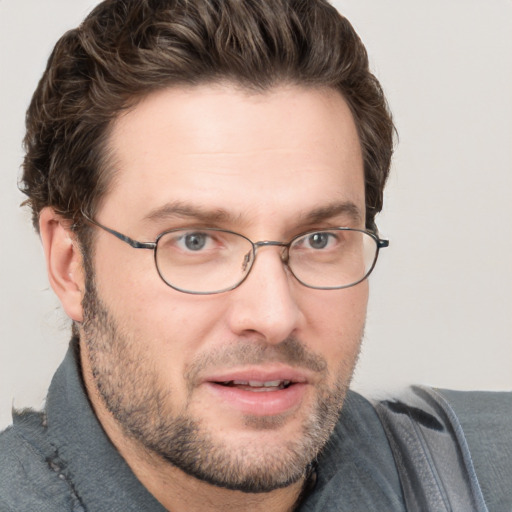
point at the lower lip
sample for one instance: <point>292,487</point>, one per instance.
<point>260,403</point>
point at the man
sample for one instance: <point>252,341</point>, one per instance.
<point>205,180</point>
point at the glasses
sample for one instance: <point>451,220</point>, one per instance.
<point>206,261</point>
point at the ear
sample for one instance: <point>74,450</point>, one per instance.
<point>63,262</point>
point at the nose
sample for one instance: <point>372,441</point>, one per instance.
<point>265,304</point>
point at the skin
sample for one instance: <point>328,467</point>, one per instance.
<point>268,160</point>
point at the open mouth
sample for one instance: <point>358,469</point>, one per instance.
<point>257,386</point>
<point>259,395</point>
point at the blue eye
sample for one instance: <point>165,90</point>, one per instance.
<point>195,241</point>
<point>319,240</point>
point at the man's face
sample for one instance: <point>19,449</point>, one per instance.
<point>241,388</point>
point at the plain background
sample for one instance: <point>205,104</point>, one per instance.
<point>441,297</point>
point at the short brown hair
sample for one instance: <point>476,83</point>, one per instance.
<point>126,49</point>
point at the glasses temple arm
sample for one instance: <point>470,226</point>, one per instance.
<point>130,241</point>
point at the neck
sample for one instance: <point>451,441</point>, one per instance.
<point>180,492</point>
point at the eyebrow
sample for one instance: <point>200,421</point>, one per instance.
<point>346,208</point>
<point>181,210</point>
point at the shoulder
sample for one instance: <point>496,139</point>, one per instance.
<point>485,418</point>
<point>27,480</point>
<point>455,445</point>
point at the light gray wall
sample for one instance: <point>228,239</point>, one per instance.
<point>441,306</point>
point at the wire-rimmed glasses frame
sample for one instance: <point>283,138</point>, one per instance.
<point>370,240</point>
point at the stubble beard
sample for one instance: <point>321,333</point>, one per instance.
<point>141,406</point>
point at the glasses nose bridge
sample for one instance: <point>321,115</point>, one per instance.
<point>273,243</point>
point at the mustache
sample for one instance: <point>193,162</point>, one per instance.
<point>244,352</point>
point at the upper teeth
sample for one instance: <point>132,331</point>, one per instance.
<point>260,384</point>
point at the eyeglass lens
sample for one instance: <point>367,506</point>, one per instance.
<point>214,260</point>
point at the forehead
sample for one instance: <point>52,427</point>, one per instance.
<point>282,152</point>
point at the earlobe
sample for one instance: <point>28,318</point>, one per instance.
<point>63,262</point>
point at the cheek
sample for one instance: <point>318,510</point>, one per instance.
<point>336,319</point>
<point>124,276</point>
<point>171,325</point>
